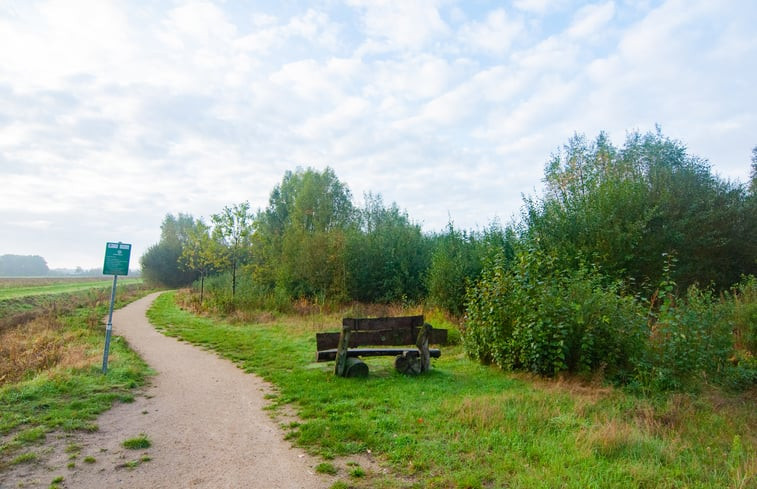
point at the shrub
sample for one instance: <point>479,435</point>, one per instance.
<point>535,317</point>
<point>744,314</point>
<point>689,340</point>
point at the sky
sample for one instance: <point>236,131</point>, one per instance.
<point>114,114</point>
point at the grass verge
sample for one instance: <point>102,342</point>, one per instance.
<point>50,372</point>
<point>465,425</point>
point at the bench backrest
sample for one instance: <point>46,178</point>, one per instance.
<point>380,332</point>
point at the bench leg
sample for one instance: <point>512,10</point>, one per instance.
<point>422,343</point>
<point>409,363</point>
<point>340,368</point>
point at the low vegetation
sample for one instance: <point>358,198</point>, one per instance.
<point>633,265</point>
<point>50,368</point>
<point>469,425</point>
<point>137,443</point>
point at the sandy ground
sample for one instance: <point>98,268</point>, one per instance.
<point>203,415</point>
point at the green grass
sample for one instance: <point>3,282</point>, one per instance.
<point>326,468</point>
<point>466,425</point>
<point>21,301</point>
<point>133,464</point>
<point>137,443</point>
<point>69,400</point>
<point>64,397</point>
<point>25,458</point>
<point>14,289</point>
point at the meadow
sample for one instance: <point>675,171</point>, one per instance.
<point>12,288</point>
<point>466,425</point>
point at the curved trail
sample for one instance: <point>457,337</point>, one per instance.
<point>204,417</point>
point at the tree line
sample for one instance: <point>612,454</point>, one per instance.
<point>623,228</point>
<point>23,266</point>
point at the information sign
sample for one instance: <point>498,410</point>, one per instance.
<point>117,259</point>
<point>116,263</point>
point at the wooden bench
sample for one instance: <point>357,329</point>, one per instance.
<point>370,337</point>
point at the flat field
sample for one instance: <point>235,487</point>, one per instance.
<point>13,288</point>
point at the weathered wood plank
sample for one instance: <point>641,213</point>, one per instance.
<point>325,341</point>
<point>373,324</point>
<point>328,355</point>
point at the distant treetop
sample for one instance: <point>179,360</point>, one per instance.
<point>23,266</point>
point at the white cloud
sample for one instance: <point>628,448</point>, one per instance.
<point>112,115</point>
<point>60,38</point>
<point>199,23</point>
<point>591,19</point>
<point>391,25</point>
<point>538,6</point>
<point>494,35</point>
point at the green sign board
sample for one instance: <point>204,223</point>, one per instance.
<point>117,259</point>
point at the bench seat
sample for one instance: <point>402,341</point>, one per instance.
<point>330,354</point>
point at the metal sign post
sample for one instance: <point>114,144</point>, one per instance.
<point>116,263</point>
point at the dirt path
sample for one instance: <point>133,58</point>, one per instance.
<point>204,417</point>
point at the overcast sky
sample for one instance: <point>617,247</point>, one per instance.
<point>114,113</point>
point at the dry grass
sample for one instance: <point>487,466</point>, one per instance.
<point>37,340</point>
<point>38,345</point>
<point>482,412</point>
<point>610,439</point>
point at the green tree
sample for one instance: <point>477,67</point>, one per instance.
<point>201,253</point>
<point>457,261</point>
<point>387,255</point>
<point>23,266</point>
<point>233,228</point>
<point>300,238</point>
<point>753,182</point>
<point>161,262</point>
<point>624,208</point>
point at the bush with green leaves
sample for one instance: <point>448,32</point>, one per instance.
<point>530,315</point>
<point>690,340</point>
<point>458,259</point>
<point>744,314</point>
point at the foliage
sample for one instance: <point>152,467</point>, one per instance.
<point>744,314</point>
<point>201,253</point>
<point>564,290</point>
<point>300,238</point>
<point>387,255</point>
<point>232,228</point>
<point>532,315</point>
<point>457,261</point>
<point>753,173</point>
<point>161,263</point>
<point>689,338</point>
<point>623,208</point>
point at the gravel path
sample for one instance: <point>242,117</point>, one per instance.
<point>204,417</point>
